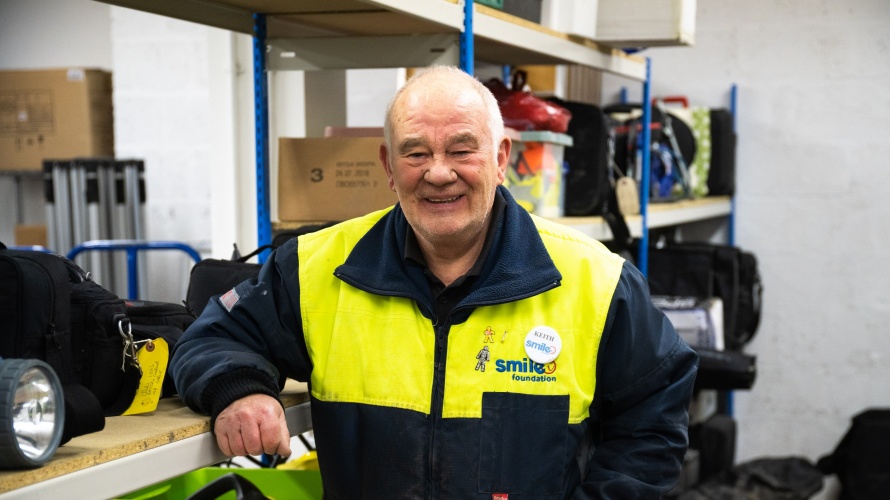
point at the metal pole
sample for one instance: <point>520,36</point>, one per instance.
<point>467,51</point>
<point>261,115</point>
<point>62,203</point>
<point>733,108</point>
<point>646,139</point>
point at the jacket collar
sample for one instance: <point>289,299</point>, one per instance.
<point>518,265</point>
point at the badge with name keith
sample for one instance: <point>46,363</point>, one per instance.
<point>542,344</point>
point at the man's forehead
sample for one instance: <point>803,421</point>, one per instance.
<point>453,93</point>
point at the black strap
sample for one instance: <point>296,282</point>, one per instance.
<point>129,386</point>
<point>622,241</point>
<point>255,252</point>
<point>83,412</point>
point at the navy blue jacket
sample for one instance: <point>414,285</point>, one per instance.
<point>631,446</point>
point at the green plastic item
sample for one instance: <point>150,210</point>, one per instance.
<point>495,4</point>
<point>278,484</point>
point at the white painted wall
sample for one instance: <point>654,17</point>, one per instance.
<point>813,171</point>
<point>814,84</point>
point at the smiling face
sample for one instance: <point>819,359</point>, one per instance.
<point>442,161</point>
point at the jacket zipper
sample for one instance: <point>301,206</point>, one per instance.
<point>437,400</point>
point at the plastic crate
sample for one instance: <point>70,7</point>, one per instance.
<point>274,483</point>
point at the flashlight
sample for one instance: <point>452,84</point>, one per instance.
<point>32,413</point>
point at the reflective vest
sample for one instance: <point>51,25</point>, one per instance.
<point>379,350</point>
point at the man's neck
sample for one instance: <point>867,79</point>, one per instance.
<point>449,263</point>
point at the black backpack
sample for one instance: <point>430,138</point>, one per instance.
<point>50,309</point>
<point>587,178</point>
<point>861,460</point>
<point>712,270</point>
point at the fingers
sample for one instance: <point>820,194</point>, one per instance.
<point>252,426</point>
<point>275,437</point>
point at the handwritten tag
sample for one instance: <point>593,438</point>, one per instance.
<point>152,358</point>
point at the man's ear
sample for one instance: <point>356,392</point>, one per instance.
<point>383,154</point>
<point>504,148</point>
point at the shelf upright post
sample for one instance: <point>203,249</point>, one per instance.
<point>733,109</point>
<point>645,142</point>
<point>261,117</point>
<point>466,40</point>
<point>729,399</point>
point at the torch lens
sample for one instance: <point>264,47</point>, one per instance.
<point>34,412</point>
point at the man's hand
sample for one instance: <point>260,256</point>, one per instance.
<point>253,425</point>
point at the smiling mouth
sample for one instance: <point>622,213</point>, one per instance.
<point>443,200</point>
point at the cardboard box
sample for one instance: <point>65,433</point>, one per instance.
<point>575,17</point>
<point>30,235</point>
<point>330,178</point>
<point>643,23</point>
<point>535,175</point>
<point>56,113</point>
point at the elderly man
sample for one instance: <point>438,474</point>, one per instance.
<point>385,315</point>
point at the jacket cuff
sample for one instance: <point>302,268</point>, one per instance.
<point>227,388</point>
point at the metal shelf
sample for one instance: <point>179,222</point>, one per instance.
<point>660,215</point>
<point>335,33</point>
<point>136,451</point>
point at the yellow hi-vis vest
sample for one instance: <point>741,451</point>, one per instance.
<point>379,350</point>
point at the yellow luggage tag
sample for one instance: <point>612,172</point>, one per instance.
<point>152,358</point>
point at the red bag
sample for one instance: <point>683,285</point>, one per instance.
<point>524,111</point>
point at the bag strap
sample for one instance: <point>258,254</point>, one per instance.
<point>83,412</point>
<point>247,257</point>
<point>622,240</point>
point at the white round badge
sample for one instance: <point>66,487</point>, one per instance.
<point>542,344</point>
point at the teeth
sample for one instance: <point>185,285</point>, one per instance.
<point>449,200</point>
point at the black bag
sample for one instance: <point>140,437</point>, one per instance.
<point>781,478</point>
<point>715,440</point>
<point>153,320</point>
<point>725,370</point>
<point>708,270</point>
<point>587,178</point>
<point>54,312</point>
<point>721,176</point>
<point>212,277</point>
<point>862,458</point>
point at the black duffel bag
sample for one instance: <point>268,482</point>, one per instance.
<point>53,311</point>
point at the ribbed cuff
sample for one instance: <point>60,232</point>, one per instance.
<point>230,387</point>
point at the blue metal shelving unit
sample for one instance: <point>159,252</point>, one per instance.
<point>467,57</point>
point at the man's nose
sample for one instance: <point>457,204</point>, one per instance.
<point>440,172</point>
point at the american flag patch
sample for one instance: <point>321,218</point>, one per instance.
<point>229,299</point>
<point>500,496</point>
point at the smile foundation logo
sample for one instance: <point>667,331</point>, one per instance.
<point>526,370</point>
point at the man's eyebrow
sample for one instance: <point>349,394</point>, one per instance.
<point>410,143</point>
<point>467,138</point>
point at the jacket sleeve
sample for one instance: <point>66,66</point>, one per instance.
<point>246,341</point>
<point>645,377</point>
